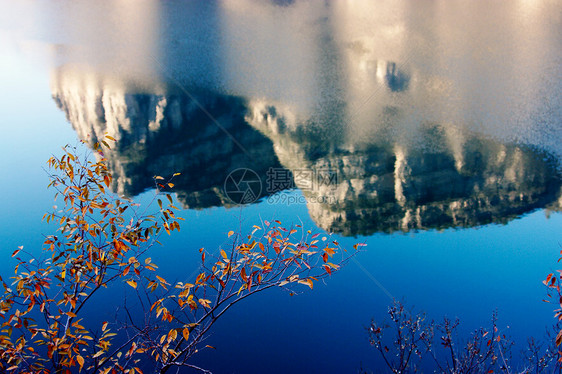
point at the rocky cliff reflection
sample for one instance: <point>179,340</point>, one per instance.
<point>202,135</point>
<point>435,176</point>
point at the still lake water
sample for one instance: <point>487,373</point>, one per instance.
<point>438,124</point>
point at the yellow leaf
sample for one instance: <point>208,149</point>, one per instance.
<point>223,254</point>
<point>132,283</point>
<point>307,282</point>
<point>172,335</point>
<point>206,303</point>
<point>104,326</point>
<point>80,360</point>
<point>242,287</point>
<point>185,333</point>
<point>230,233</point>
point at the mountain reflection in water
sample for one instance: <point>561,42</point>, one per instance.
<point>438,177</point>
<point>424,129</point>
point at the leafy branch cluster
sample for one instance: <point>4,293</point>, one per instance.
<point>272,256</point>
<point>552,283</point>
<point>102,242</point>
<point>409,341</point>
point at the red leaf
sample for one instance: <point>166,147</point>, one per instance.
<point>559,338</point>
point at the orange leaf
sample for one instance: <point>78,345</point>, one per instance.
<point>132,283</point>
<point>162,280</point>
<point>329,251</point>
